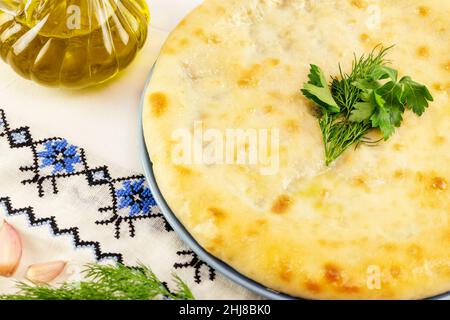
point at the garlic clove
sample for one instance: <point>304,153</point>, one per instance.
<point>10,250</point>
<point>45,272</point>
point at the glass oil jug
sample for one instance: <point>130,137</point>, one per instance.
<point>71,43</point>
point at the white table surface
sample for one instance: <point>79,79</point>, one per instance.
<point>103,120</point>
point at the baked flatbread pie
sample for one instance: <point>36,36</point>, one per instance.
<point>373,225</point>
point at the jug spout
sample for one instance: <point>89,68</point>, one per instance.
<point>9,6</point>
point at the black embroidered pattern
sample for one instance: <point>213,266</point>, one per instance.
<point>55,158</point>
<point>195,263</point>
<point>51,221</point>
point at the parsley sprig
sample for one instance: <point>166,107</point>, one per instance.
<point>370,97</point>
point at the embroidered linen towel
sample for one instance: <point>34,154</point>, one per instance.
<point>69,206</point>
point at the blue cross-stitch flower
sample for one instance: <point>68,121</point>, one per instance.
<point>136,196</point>
<point>60,155</point>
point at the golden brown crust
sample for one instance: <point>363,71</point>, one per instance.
<point>309,231</point>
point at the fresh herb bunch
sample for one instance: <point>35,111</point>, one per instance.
<point>370,97</point>
<point>106,282</point>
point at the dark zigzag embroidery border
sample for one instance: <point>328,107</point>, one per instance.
<point>82,169</point>
<point>79,243</point>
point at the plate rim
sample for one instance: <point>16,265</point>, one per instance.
<point>219,265</point>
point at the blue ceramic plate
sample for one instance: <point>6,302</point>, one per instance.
<point>184,234</point>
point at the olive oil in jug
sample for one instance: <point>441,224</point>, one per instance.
<point>71,43</point>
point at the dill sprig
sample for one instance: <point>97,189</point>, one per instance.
<point>344,92</point>
<point>358,102</point>
<point>106,282</point>
<point>338,132</point>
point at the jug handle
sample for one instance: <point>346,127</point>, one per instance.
<point>10,6</point>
